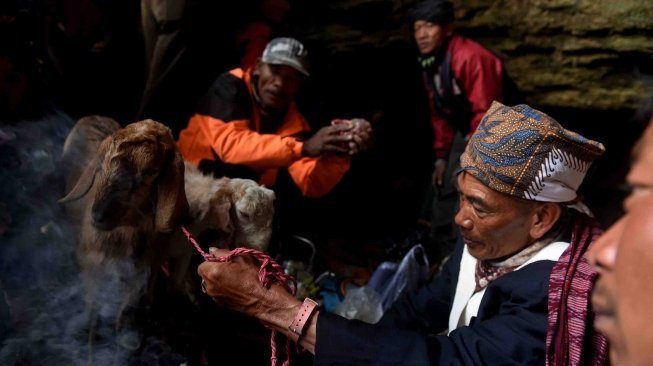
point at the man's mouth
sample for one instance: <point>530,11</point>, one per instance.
<point>604,320</point>
<point>275,97</point>
<point>471,243</point>
<point>274,92</point>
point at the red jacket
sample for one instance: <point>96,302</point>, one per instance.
<point>480,73</point>
<point>227,126</point>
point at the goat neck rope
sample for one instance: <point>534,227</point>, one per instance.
<point>269,273</point>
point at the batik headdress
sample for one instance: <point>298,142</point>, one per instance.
<point>524,153</point>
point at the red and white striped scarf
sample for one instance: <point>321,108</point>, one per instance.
<point>571,339</point>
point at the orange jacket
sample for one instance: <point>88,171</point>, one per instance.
<point>227,129</point>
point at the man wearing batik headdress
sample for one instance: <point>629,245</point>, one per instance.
<point>514,292</point>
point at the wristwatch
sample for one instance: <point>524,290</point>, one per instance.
<point>298,325</point>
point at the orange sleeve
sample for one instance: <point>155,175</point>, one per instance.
<point>235,143</point>
<point>315,177</point>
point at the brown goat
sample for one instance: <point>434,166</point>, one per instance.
<point>130,191</point>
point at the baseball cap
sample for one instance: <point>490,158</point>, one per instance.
<point>286,51</point>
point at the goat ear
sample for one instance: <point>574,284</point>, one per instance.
<point>271,194</point>
<point>87,177</point>
<point>171,205</point>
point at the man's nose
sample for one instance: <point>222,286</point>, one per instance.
<point>603,253</point>
<point>462,218</point>
<point>278,82</point>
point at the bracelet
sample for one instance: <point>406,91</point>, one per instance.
<point>297,326</point>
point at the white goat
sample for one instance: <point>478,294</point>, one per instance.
<point>239,210</point>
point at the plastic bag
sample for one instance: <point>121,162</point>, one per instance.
<point>392,281</point>
<point>389,282</point>
<point>362,303</point>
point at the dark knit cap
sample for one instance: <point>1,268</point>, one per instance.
<point>434,11</point>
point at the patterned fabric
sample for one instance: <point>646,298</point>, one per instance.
<point>570,338</point>
<point>488,271</point>
<point>524,153</point>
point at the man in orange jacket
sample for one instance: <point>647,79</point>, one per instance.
<point>248,126</point>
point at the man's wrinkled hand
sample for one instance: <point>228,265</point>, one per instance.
<point>362,136</point>
<point>234,285</point>
<point>331,139</point>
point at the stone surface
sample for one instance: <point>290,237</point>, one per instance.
<point>584,62</point>
<point>563,53</point>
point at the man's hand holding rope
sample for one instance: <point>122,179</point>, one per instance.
<point>235,284</point>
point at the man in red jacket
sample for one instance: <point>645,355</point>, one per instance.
<point>462,79</point>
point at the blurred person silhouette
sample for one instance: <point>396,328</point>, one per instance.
<point>187,44</point>
<point>165,27</point>
<point>623,258</point>
<point>252,40</point>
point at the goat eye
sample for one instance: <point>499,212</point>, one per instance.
<point>243,215</point>
<point>149,172</point>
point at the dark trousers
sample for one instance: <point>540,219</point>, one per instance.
<point>165,37</point>
<point>444,230</point>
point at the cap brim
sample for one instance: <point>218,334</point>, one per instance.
<point>286,62</point>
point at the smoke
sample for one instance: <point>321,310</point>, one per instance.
<point>46,314</point>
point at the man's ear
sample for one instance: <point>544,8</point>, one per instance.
<point>256,69</point>
<point>545,216</point>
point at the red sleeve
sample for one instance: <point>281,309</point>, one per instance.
<point>444,134</point>
<point>481,74</point>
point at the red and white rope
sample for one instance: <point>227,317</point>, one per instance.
<point>270,272</point>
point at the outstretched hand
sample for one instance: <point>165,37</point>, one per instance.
<point>363,137</point>
<point>235,285</point>
<point>349,137</point>
<point>329,139</point>
<point>360,132</point>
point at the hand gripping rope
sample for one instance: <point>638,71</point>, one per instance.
<point>269,273</point>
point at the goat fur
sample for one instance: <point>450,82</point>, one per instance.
<point>240,210</point>
<point>130,192</point>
